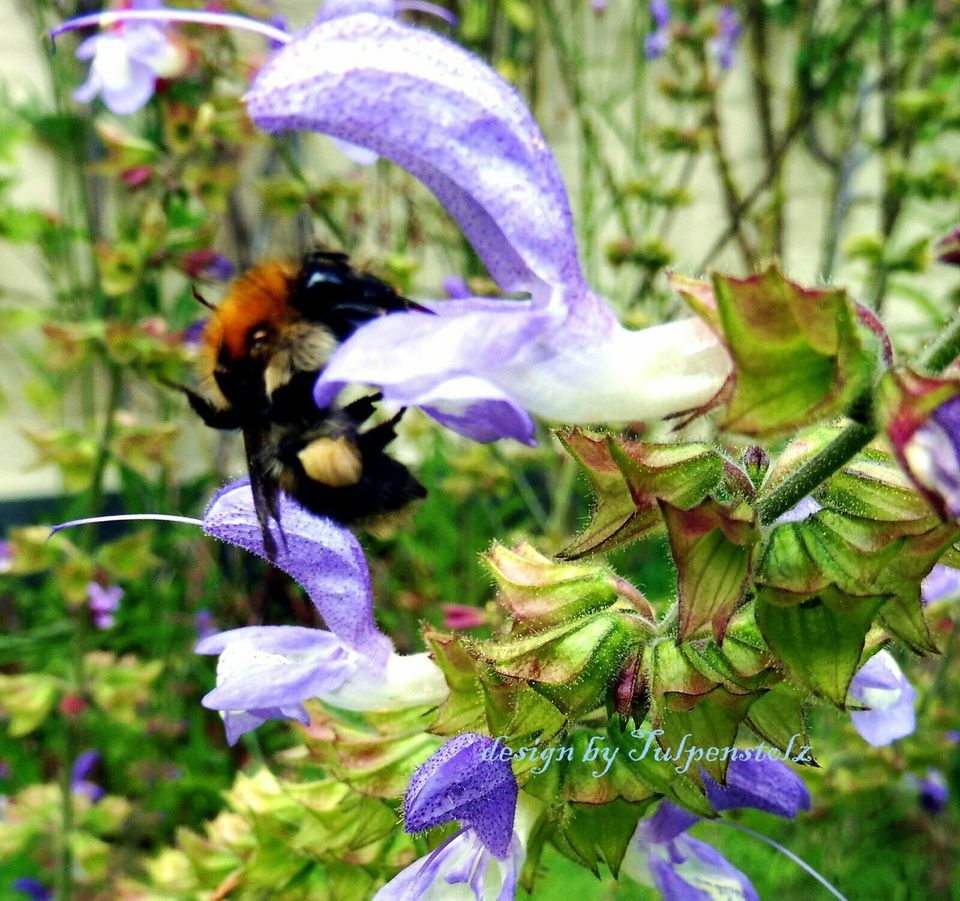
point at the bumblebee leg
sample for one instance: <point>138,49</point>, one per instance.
<point>335,462</point>
<point>216,417</point>
<point>363,408</point>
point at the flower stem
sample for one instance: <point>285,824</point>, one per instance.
<point>944,349</point>
<point>805,478</point>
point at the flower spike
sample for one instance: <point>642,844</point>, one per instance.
<point>480,366</point>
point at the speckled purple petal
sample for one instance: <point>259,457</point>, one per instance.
<point>444,115</point>
<point>270,640</point>
<point>322,556</point>
<point>457,783</point>
<point>885,690</point>
<point>768,785</point>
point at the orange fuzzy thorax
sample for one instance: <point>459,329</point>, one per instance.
<point>259,297</point>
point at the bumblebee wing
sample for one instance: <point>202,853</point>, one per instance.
<point>264,489</point>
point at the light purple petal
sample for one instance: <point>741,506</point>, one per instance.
<point>133,93</point>
<point>576,368</point>
<point>882,687</point>
<point>943,582</point>
<point>768,785</point>
<point>271,640</point>
<point>355,153</point>
<point>445,116</point>
<point>706,871</point>
<point>804,509</point>
<point>322,556</point>
<point>337,9</point>
<point>461,859</point>
<point>239,722</point>
<point>458,783</point>
<point>282,684</point>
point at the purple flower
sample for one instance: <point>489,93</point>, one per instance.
<point>459,782</point>
<point>933,455</point>
<point>768,785</point>
<point>655,44</point>
<point>932,790</point>
<point>126,62</point>
<point>33,888</point>
<point>208,264</point>
<point>943,582</point>
<point>479,365</point>
<point>724,45</point>
<point>685,869</point>
<point>203,621</point>
<point>103,603</point>
<point>267,672</point>
<point>82,767</point>
<point>884,690</point>
<point>6,556</point>
<point>456,288</point>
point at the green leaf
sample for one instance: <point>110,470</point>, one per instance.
<point>629,477</point>
<point>592,834</point>
<point>617,518</point>
<point>543,592</point>
<point>777,717</point>
<point>820,640</point>
<point>712,547</point>
<point>712,724</point>
<point>798,353</point>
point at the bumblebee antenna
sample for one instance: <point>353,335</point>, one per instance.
<point>199,298</point>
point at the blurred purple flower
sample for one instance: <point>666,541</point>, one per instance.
<point>193,333</point>
<point>884,690</point>
<point>768,785</point>
<point>127,61</point>
<point>655,44</point>
<point>943,582</point>
<point>932,790</point>
<point>103,603</point>
<point>685,869</point>
<point>6,556</point>
<point>479,365</point>
<point>267,672</point>
<point>205,626</point>
<point>599,6</point>
<point>33,888</point>
<point>82,767</point>
<point>208,264</point>
<point>459,783</point>
<point>724,45</point>
<point>455,287</point>
<point>933,455</point>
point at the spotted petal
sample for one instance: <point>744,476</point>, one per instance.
<point>441,113</point>
<point>322,556</point>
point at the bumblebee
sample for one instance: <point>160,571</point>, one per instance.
<point>262,351</point>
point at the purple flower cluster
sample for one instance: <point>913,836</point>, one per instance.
<point>267,672</point>
<point>104,602</point>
